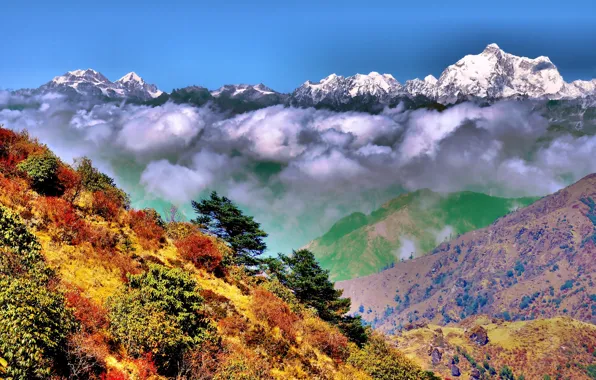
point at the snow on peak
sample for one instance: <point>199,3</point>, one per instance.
<point>91,82</point>
<point>492,46</point>
<point>430,79</point>
<point>130,77</point>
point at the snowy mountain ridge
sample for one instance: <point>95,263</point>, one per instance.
<point>493,74</point>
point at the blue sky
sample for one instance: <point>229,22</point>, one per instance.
<point>282,43</point>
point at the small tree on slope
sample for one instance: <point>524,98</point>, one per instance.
<point>219,216</point>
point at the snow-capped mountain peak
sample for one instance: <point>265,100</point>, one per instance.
<point>134,85</point>
<point>90,82</point>
<point>497,74</point>
<point>130,77</point>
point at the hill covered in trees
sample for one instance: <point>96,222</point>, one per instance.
<point>90,288</point>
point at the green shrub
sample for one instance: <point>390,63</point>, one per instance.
<point>42,170</point>
<point>33,327</point>
<point>34,322</point>
<point>22,252</point>
<point>381,361</point>
<point>159,311</point>
<point>93,180</point>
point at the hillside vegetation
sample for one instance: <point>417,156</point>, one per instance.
<point>90,288</point>
<point>537,262</point>
<point>406,227</point>
<point>556,348</point>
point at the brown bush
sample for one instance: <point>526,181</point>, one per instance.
<point>243,363</point>
<point>267,307</point>
<point>145,224</point>
<point>86,355</point>
<point>15,191</point>
<point>233,325</point>
<point>202,363</point>
<point>327,339</point>
<point>102,240</point>
<point>201,250</point>
<point>217,306</point>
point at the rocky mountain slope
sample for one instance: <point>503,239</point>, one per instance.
<point>405,227</point>
<point>481,347</point>
<point>535,262</point>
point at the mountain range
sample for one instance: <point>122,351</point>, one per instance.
<point>491,75</point>
<point>536,262</point>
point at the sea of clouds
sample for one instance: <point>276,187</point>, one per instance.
<point>299,170</point>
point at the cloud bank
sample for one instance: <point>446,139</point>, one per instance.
<point>298,170</point>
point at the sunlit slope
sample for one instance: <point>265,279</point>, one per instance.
<point>407,226</point>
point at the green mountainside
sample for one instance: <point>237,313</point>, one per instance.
<point>405,227</point>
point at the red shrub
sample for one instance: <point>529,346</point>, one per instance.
<point>14,148</point>
<point>145,366</point>
<point>62,221</point>
<point>91,316</point>
<point>70,181</point>
<point>201,250</point>
<point>106,205</point>
<point>114,374</point>
<point>268,307</point>
<point>146,227</point>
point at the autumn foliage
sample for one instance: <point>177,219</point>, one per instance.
<point>70,181</point>
<point>62,221</point>
<point>90,315</point>
<point>106,205</point>
<point>201,250</point>
<point>146,225</point>
<point>326,338</point>
<point>268,307</point>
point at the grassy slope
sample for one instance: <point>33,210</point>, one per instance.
<point>359,245</point>
<point>559,347</point>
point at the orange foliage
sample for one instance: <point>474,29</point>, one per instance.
<point>273,310</point>
<point>14,148</point>
<point>145,226</point>
<point>15,191</point>
<point>145,366</point>
<point>102,240</point>
<point>90,315</point>
<point>62,221</point>
<point>201,250</point>
<point>114,374</point>
<point>233,325</point>
<point>105,205</point>
<point>9,157</point>
<point>70,180</point>
<point>327,339</point>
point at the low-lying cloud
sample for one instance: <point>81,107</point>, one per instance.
<point>299,170</point>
